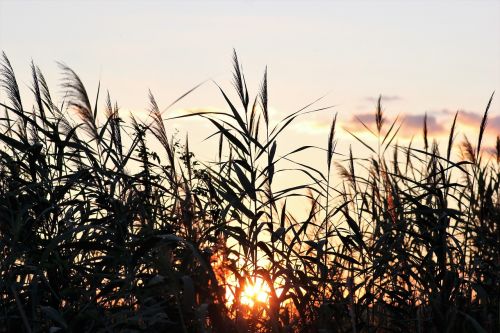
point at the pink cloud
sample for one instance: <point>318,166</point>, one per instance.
<point>411,124</point>
<point>438,123</point>
<point>473,119</point>
<point>415,124</point>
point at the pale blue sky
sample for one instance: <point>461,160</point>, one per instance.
<point>430,56</point>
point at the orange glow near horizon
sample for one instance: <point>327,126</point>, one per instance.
<point>256,291</point>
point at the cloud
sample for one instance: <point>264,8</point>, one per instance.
<point>411,124</point>
<point>473,120</point>
<point>385,98</point>
<point>438,123</point>
<point>494,124</point>
<point>355,124</point>
<point>415,123</point>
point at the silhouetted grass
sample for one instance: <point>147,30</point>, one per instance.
<point>101,233</point>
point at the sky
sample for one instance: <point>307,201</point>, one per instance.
<point>433,57</point>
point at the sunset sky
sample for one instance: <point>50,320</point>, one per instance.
<point>422,56</point>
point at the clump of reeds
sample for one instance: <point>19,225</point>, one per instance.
<point>101,232</point>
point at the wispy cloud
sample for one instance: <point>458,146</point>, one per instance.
<point>411,124</point>
<point>385,98</point>
<point>414,123</point>
<point>473,119</point>
<point>438,123</point>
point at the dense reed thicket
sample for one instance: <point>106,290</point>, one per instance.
<point>101,232</point>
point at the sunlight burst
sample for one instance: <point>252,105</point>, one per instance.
<point>256,291</point>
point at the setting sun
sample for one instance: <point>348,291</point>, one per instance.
<point>255,292</point>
